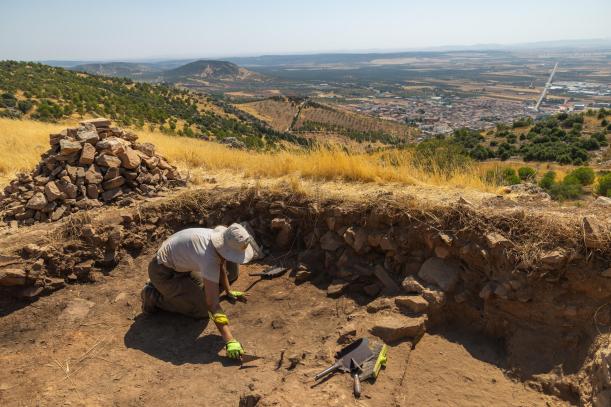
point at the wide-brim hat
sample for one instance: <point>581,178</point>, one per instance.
<point>234,243</point>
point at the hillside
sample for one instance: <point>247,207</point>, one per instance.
<point>574,138</point>
<point>322,121</point>
<point>45,93</point>
<point>119,69</point>
<point>278,112</point>
<point>202,75</point>
<point>206,70</point>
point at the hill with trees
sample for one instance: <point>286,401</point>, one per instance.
<point>119,69</point>
<point>208,70</point>
<point>45,93</point>
<point>321,121</point>
<point>204,75</point>
<point>566,138</point>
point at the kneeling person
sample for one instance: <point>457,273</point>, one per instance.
<point>187,270</point>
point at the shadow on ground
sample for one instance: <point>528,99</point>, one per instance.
<point>174,338</point>
<point>8,305</point>
<point>482,347</point>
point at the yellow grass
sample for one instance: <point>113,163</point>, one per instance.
<point>22,142</point>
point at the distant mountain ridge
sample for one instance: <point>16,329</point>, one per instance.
<point>209,74</point>
<point>118,69</point>
<point>356,55</point>
<point>210,70</point>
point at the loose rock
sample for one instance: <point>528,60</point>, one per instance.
<point>413,303</point>
<point>411,285</point>
<point>12,277</point>
<point>392,328</point>
<point>330,241</point>
<point>441,273</point>
<point>379,304</point>
<point>336,288</point>
<point>67,178</point>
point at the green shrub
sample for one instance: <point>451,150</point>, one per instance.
<point>604,185</point>
<point>548,180</point>
<point>601,137</point>
<point>526,173</point>
<point>510,177</point>
<point>8,100</point>
<point>569,188</point>
<point>502,176</point>
<point>25,105</point>
<point>590,144</point>
<point>440,155</point>
<point>584,175</point>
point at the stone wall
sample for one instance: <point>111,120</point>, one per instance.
<point>411,268</point>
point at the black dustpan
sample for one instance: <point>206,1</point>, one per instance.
<point>357,352</point>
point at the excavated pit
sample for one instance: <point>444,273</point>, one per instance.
<point>534,291</point>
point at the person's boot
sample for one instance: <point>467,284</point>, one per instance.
<point>149,295</point>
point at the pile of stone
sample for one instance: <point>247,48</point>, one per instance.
<point>87,167</point>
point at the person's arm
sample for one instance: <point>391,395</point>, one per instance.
<point>212,302</point>
<point>236,295</point>
<point>224,280</point>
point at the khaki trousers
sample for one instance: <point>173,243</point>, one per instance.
<point>183,293</point>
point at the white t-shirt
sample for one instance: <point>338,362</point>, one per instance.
<point>191,250</point>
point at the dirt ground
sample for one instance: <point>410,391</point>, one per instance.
<point>90,345</point>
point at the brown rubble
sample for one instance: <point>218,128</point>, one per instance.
<point>86,167</point>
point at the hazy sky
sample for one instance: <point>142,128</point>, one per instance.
<point>129,29</point>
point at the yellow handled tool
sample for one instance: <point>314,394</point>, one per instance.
<point>370,369</point>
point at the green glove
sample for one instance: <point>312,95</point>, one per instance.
<point>237,294</point>
<point>234,349</point>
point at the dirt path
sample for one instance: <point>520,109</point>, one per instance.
<point>89,345</point>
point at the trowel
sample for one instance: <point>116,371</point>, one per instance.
<point>268,274</point>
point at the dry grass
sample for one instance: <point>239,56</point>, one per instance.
<point>22,142</point>
<point>321,164</point>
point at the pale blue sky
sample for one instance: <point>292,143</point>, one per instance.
<point>130,29</point>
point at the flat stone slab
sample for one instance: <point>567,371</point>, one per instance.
<point>393,328</point>
<point>336,288</point>
<point>414,303</point>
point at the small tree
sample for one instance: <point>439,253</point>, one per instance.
<point>584,175</point>
<point>548,180</point>
<point>604,185</point>
<point>502,176</point>
<point>25,105</point>
<point>526,173</point>
<point>569,188</point>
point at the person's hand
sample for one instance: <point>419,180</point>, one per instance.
<point>234,349</point>
<point>237,295</point>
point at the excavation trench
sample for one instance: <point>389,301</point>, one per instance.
<point>517,292</point>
